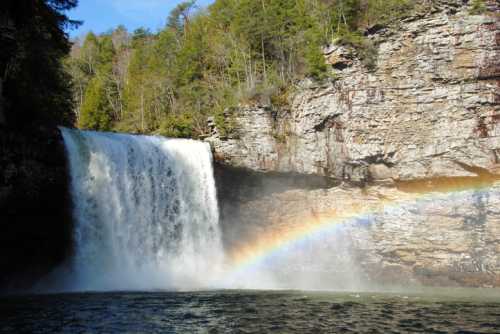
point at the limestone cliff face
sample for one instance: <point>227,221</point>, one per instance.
<point>394,237</point>
<point>430,109</point>
<point>426,119</point>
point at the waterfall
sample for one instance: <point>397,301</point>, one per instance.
<point>145,212</point>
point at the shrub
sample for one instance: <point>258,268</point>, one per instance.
<point>478,7</point>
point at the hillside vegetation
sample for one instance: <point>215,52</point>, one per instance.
<point>205,61</point>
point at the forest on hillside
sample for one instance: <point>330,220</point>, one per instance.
<point>205,61</point>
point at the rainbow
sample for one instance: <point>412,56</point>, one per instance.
<point>254,253</point>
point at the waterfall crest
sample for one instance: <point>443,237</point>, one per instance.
<point>145,212</point>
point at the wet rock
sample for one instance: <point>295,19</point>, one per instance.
<point>395,237</point>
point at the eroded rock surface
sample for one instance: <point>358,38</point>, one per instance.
<point>444,239</point>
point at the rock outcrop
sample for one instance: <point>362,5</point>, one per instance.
<point>426,117</point>
<point>430,109</point>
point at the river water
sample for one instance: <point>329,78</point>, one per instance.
<point>146,218</point>
<point>450,311</point>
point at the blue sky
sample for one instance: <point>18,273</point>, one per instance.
<point>102,15</point>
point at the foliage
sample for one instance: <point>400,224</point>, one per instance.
<point>179,16</point>
<point>478,7</point>
<point>205,62</point>
<point>384,12</point>
<point>95,113</point>
<point>180,126</point>
<point>35,84</point>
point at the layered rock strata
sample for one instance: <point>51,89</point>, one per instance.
<point>395,237</point>
<point>425,120</point>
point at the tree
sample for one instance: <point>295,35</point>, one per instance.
<point>95,113</point>
<point>179,16</point>
<point>205,62</point>
<point>34,83</point>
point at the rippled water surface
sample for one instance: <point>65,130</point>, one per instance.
<point>250,312</point>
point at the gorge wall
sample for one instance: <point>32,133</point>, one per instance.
<point>424,123</point>
<point>35,206</point>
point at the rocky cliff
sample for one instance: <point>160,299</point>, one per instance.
<point>35,207</point>
<point>425,120</point>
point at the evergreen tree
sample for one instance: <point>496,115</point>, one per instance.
<point>33,84</point>
<point>95,112</point>
<point>206,62</point>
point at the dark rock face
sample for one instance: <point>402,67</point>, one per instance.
<point>35,217</point>
<point>238,189</point>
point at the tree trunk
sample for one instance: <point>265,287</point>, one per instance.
<point>263,57</point>
<point>262,43</point>
<point>142,109</point>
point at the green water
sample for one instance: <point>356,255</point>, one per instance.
<point>429,311</point>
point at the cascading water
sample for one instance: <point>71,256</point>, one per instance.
<point>145,212</point>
